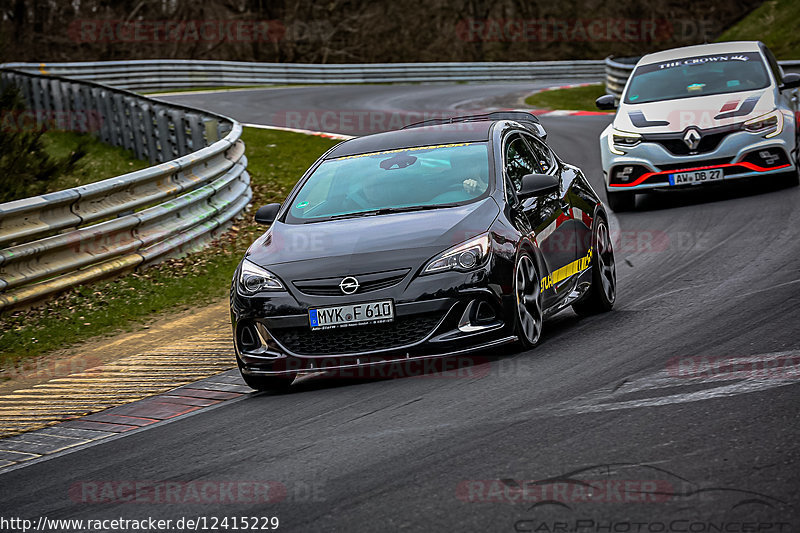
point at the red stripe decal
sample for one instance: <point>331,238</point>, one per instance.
<point>745,164</point>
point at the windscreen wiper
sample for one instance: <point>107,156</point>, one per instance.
<point>386,211</point>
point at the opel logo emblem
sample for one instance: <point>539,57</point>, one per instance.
<point>692,138</point>
<point>349,285</point>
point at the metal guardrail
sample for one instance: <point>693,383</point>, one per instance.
<point>154,75</point>
<point>61,239</point>
<point>618,70</point>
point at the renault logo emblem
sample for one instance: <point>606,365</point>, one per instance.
<point>692,139</point>
<point>349,285</point>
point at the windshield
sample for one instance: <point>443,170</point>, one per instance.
<point>425,177</point>
<point>697,76</point>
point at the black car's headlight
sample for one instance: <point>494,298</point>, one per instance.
<point>462,257</point>
<point>254,279</point>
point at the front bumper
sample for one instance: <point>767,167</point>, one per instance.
<point>737,155</point>
<point>435,316</point>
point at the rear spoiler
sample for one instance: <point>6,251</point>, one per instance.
<point>527,119</point>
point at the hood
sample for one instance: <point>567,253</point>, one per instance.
<point>703,112</point>
<point>368,244</point>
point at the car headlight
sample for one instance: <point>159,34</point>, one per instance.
<point>254,279</point>
<point>620,140</point>
<point>769,125</point>
<point>462,257</point>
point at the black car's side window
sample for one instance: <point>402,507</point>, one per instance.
<point>541,152</point>
<point>519,161</point>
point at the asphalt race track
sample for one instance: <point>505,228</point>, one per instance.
<point>616,413</point>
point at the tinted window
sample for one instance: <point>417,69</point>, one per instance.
<point>420,176</point>
<point>697,76</point>
<point>519,161</point>
<point>541,152</point>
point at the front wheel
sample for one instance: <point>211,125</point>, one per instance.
<point>528,318</point>
<point>603,291</point>
<point>621,201</point>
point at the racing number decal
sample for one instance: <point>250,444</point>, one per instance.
<point>566,271</point>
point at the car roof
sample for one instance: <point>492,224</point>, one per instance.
<point>732,47</point>
<point>457,132</point>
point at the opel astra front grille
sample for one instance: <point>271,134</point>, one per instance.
<point>367,283</point>
<point>357,339</point>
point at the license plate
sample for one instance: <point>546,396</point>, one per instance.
<point>342,316</point>
<point>696,177</point>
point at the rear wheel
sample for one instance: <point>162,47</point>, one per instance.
<point>527,288</point>
<point>603,292</point>
<point>621,201</point>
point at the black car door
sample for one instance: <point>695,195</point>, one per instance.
<point>577,194</point>
<point>547,217</point>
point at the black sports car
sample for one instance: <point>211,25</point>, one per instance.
<point>442,238</point>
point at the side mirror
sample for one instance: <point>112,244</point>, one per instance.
<point>267,213</point>
<point>538,185</point>
<point>790,81</point>
<point>606,102</point>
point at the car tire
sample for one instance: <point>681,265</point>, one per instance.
<point>528,314</point>
<point>621,201</point>
<point>603,292</point>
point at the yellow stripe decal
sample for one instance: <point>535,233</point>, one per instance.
<point>576,267</point>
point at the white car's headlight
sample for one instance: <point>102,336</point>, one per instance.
<point>768,125</point>
<point>619,140</point>
<point>463,257</point>
<point>254,279</point>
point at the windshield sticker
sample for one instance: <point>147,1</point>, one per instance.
<point>301,205</point>
<point>703,59</point>
<point>695,87</point>
<point>412,149</point>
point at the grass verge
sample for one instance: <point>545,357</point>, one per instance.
<point>276,160</point>
<point>573,99</point>
<point>775,23</point>
<point>100,162</point>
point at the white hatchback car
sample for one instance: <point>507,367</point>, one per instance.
<point>697,115</point>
